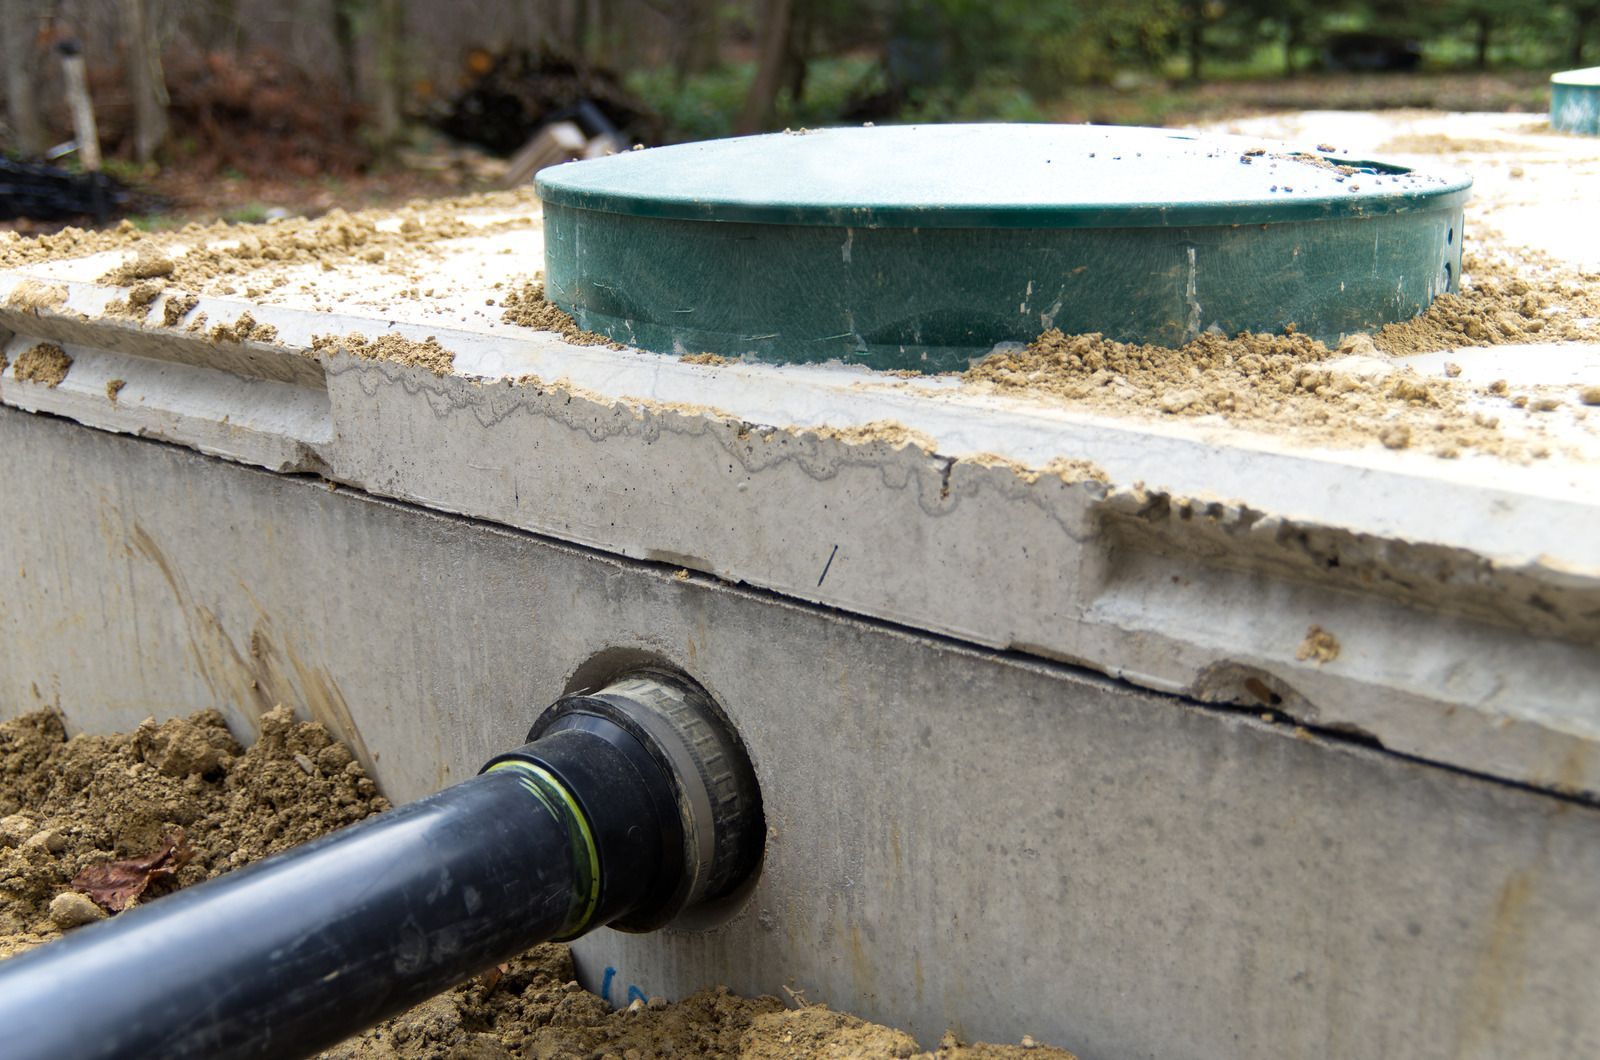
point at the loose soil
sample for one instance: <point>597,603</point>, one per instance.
<point>528,307</point>
<point>67,804</point>
<point>70,805</point>
<point>1351,394</point>
<point>1299,390</point>
<point>425,354</point>
<point>44,363</point>
<point>222,258</point>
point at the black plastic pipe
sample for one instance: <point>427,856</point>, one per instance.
<point>591,823</point>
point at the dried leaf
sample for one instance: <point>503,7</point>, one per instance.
<point>113,885</point>
<point>490,980</point>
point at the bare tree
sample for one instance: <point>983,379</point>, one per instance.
<point>777,23</point>
<point>147,83</point>
<point>388,49</point>
<point>693,35</point>
<point>572,17</point>
<point>20,27</point>
<point>344,17</point>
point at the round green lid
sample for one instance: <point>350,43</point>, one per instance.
<point>994,176</point>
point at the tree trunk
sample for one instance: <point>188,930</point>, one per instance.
<point>571,15</point>
<point>1293,33</point>
<point>389,71</point>
<point>1484,25</point>
<point>693,45</point>
<point>344,42</point>
<point>1584,19</point>
<point>797,56</point>
<point>580,29</point>
<point>146,82</point>
<point>22,111</point>
<point>776,23</point>
<point>1197,46</point>
<point>84,126</point>
<point>219,30</point>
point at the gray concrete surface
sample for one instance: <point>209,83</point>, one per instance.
<point>1464,594</point>
<point>958,837</point>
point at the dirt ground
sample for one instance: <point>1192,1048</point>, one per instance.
<point>98,823</point>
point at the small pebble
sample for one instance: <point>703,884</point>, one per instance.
<point>1590,395</point>
<point>1177,400</point>
<point>306,765</point>
<point>69,909</point>
<point>1395,436</point>
<point>49,839</point>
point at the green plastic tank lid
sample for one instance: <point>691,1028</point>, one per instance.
<point>923,247</point>
<point>994,176</point>
<point>1575,101</point>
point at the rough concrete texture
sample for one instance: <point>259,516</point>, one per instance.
<point>1186,557</point>
<point>958,837</point>
<point>1295,893</point>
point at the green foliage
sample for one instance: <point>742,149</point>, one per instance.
<point>994,97</point>
<point>705,106</point>
<point>248,214</point>
<point>1019,60</point>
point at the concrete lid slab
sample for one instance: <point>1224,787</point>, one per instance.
<point>1448,608</point>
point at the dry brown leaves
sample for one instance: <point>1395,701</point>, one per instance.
<point>114,885</point>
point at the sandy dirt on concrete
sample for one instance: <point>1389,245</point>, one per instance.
<point>1506,297</point>
<point>69,806</point>
<point>1354,394</point>
<point>255,260</point>
<point>526,306</point>
<point>44,363</point>
<point>424,354</point>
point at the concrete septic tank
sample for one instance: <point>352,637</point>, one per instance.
<point>1575,101</point>
<point>1140,732</point>
<point>923,247</point>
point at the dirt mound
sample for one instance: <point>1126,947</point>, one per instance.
<point>526,306</point>
<point>1291,382</point>
<point>1502,301</point>
<point>1357,393</point>
<point>66,805</point>
<point>103,803</point>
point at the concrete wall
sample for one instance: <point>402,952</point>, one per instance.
<point>959,837</point>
